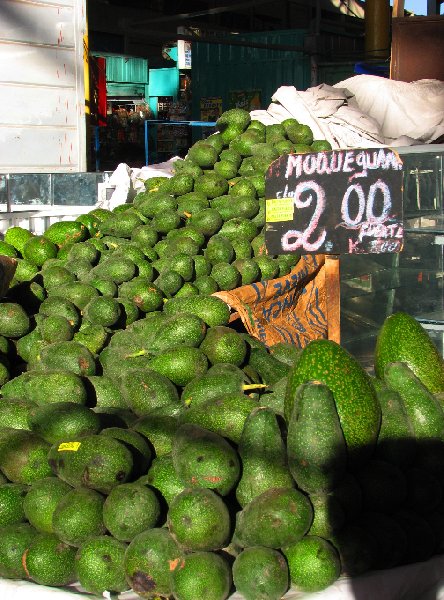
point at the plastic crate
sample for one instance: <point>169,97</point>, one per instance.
<point>38,221</point>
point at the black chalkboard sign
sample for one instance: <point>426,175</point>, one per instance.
<point>336,202</point>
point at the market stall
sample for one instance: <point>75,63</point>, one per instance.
<point>186,420</point>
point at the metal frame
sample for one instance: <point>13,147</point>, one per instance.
<point>160,122</point>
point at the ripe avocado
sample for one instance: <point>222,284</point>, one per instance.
<point>212,310</point>
<point>99,462</point>
<point>328,515</point>
<point>200,390</point>
<point>38,249</point>
<point>202,576</point>
<point>77,292</point>
<point>203,458</point>
<point>41,500</point>
<point>313,562</point>
<point>116,267</point>
<point>181,329</point>
<point>15,540</point>
<point>202,154</point>
<point>224,414</point>
<point>24,458</point>
<point>235,116</point>
<point>48,561</point>
<point>192,203</point>
<point>163,477</point>
<point>93,336</point>
<point>396,438</point>
<point>242,247</point>
<point>129,509</point>
<point>355,398</point>
<point>144,390</point>
<point>317,453</point>
<point>99,565</point>
<point>180,364</point>
<point>55,328</point>
<point>65,232</point>
<point>402,339</point>
<point>15,413</point>
<point>11,503</point>
<point>102,311</point>
<point>269,368</point>
<point>57,305</point>
<point>219,249</point>
<point>198,519</point>
<point>48,387</point>
<point>226,276</point>
<point>14,322</point>
<point>56,275</point>
<point>78,515</point>
<point>145,295</point>
<point>274,519</point>
<point>263,455</point>
<point>59,420</point>
<point>224,345</point>
<point>17,237</point>
<point>120,224</point>
<point>66,356</point>
<point>207,221</point>
<point>260,573</point>
<point>148,561</point>
<point>248,269</point>
<point>423,409</point>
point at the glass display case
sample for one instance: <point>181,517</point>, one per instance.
<point>375,285</point>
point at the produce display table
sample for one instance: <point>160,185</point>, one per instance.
<point>419,581</point>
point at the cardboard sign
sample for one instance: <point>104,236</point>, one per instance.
<point>336,202</point>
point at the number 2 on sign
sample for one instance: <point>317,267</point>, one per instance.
<point>293,239</point>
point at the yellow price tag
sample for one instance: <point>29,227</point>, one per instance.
<point>68,447</point>
<point>279,209</point>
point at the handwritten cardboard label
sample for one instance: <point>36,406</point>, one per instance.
<point>337,202</point>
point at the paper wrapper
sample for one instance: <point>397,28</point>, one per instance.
<point>288,309</point>
<point>7,269</point>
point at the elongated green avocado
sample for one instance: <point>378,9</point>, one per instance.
<point>359,412</point>
<point>403,339</point>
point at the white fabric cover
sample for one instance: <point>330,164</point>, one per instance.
<point>364,111</point>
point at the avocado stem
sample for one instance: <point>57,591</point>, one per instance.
<point>136,354</point>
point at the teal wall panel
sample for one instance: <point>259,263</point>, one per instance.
<point>125,69</point>
<point>136,90</point>
<point>164,82</point>
<point>218,69</point>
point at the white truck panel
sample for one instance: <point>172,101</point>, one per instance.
<point>32,105</point>
<point>42,92</point>
<point>26,149</point>
<point>37,65</point>
<point>38,23</point>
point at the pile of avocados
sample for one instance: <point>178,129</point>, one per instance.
<point>148,444</point>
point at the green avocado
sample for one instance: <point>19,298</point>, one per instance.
<point>402,339</point>
<point>358,408</point>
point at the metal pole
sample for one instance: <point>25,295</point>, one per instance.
<point>377,29</point>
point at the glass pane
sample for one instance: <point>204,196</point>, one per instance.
<point>30,189</point>
<point>75,189</point>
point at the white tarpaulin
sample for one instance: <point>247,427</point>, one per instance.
<point>413,109</point>
<point>363,111</point>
